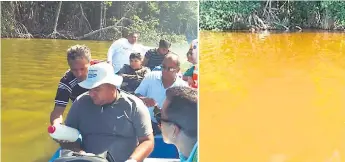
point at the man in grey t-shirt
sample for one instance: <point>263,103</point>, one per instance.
<point>110,120</point>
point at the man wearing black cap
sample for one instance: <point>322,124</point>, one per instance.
<point>154,57</point>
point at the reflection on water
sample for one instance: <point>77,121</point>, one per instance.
<point>272,97</point>
<point>30,71</point>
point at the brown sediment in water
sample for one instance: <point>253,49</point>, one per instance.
<point>278,97</point>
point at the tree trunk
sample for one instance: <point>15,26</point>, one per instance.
<point>104,23</point>
<point>83,15</point>
<point>101,20</point>
<point>57,17</point>
<point>57,14</point>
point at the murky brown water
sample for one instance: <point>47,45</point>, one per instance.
<point>272,97</point>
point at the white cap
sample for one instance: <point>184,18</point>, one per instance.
<point>101,73</point>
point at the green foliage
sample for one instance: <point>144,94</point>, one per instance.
<point>153,19</point>
<point>222,15</point>
<point>229,15</point>
<point>336,9</point>
<point>172,21</point>
<point>149,34</point>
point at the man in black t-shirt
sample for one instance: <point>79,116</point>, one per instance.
<point>79,59</point>
<point>154,57</point>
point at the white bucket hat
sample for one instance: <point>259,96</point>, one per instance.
<point>101,73</point>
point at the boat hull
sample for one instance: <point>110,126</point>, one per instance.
<point>162,152</point>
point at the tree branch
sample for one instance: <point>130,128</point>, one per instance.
<point>103,29</point>
<point>115,26</point>
<point>83,15</point>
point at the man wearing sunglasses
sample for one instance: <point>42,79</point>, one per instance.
<point>152,89</point>
<point>178,121</point>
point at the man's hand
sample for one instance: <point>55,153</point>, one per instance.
<point>144,149</point>
<point>149,102</point>
<point>56,115</point>
<point>58,120</point>
<point>81,152</point>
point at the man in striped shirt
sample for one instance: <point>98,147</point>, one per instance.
<point>79,59</point>
<point>154,57</point>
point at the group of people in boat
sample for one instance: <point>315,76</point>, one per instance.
<point>120,104</point>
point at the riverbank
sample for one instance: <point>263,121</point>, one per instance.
<point>62,36</point>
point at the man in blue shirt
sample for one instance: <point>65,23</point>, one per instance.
<point>152,89</point>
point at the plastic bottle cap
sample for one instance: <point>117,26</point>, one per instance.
<point>51,129</point>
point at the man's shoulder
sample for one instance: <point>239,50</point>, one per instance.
<point>144,69</point>
<point>132,99</point>
<point>154,75</point>
<point>151,51</point>
<point>119,42</point>
<point>126,67</point>
<point>83,98</point>
<point>68,77</point>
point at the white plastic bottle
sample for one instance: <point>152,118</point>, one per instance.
<point>63,132</point>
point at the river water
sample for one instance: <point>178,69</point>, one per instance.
<point>272,97</point>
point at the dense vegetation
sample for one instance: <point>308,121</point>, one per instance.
<point>101,20</point>
<point>272,15</point>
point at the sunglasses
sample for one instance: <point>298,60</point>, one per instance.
<point>159,119</point>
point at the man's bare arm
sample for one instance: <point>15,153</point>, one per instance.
<point>56,114</point>
<point>144,148</point>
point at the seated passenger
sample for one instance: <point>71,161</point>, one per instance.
<point>133,74</point>
<point>109,120</point>
<point>178,121</point>
<point>154,57</point>
<point>191,75</point>
<point>152,89</point>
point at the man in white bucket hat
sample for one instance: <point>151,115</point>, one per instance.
<point>110,120</point>
<point>101,73</point>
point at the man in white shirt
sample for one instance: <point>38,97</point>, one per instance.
<point>120,50</point>
<point>152,89</point>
